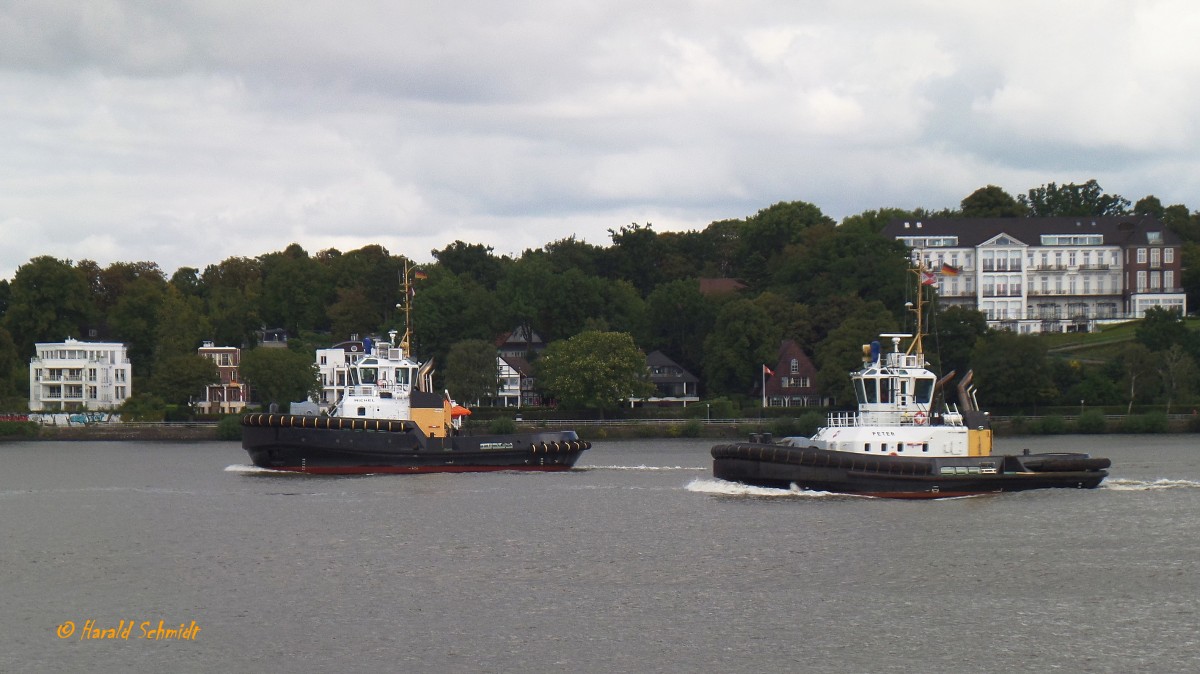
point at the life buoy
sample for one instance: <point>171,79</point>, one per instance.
<point>919,417</point>
<point>382,383</point>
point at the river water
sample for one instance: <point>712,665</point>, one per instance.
<point>637,561</point>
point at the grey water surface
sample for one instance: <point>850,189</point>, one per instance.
<point>637,561</point>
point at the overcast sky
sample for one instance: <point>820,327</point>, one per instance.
<point>191,131</point>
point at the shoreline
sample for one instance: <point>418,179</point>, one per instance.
<point>593,431</point>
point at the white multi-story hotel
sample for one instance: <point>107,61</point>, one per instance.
<point>1049,274</point>
<point>79,376</point>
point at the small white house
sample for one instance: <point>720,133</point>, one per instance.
<point>79,376</point>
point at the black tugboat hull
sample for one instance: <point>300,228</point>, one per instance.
<point>780,466</point>
<point>362,446</point>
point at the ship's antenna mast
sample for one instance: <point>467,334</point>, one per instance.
<point>923,278</point>
<point>405,283</point>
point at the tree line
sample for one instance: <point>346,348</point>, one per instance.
<point>829,286</point>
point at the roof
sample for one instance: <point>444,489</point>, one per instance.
<point>972,232</point>
<point>669,369</point>
<point>719,286</point>
<point>519,364</point>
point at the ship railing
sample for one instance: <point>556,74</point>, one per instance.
<point>890,418</point>
<point>906,360</point>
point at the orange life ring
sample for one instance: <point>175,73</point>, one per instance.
<point>919,417</point>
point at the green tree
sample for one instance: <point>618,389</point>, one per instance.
<point>875,220</point>
<point>1151,206</point>
<point>743,339</point>
<point>233,290</point>
<point>594,370</point>
<point>1177,371</point>
<point>181,379</point>
<point>133,319</point>
<point>1138,366</point>
<point>280,376</point>
<point>376,273</point>
<point>472,260</point>
<point>471,372</point>
<point>296,290</point>
<point>14,375</point>
<point>182,326</point>
<point>448,308</point>
<point>768,235</point>
<point>1161,328</point>
<point>954,333</point>
<point>1087,199</point>
<point>635,256</point>
<point>843,263</point>
<point>678,318</point>
<point>50,300</point>
<point>991,202</point>
<point>1010,370</point>
<point>353,313</point>
<point>840,353</point>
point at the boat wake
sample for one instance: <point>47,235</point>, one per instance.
<point>1119,484</point>
<point>642,467</point>
<point>242,469</point>
<point>726,488</point>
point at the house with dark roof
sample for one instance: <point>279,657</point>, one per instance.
<point>673,385</point>
<point>521,342</point>
<point>515,385</point>
<point>793,381</point>
<point>1054,274</point>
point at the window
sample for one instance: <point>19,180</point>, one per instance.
<point>1168,255</point>
<point>1141,255</point>
<point>1156,257</point>
<point>1141,281</point>
<point>795,366</point>
<point>1169,280</point>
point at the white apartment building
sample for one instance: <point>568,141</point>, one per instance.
<point>79,376</point>
<point>1049,274</point>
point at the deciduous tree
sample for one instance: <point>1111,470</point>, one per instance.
<point>280,376</point>
<point>471,372</point>
<point>594,371</point>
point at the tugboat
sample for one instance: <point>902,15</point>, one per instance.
<point>388,421</point>
<point>897,446</point>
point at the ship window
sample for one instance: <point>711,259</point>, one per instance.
<point>883,447</point>
<point>925,447</point>
<point>924,391</point>
<point>368,375</point>
<point>362,411</point>
<point>867,447</point>
<point>885,390</point>
<point>899,446</point>
<point>860,391</point>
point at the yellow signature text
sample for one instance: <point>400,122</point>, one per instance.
<point>91,630</point>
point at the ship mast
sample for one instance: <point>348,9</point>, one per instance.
<point>924,278</point>
<point>406,305</point>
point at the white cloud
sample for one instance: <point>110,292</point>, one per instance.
<point>189,132</point>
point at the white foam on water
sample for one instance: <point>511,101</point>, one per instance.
<point>642,467</point>
<point>243,469</point>
<point>1119,484</point>
<point>726,488</point>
